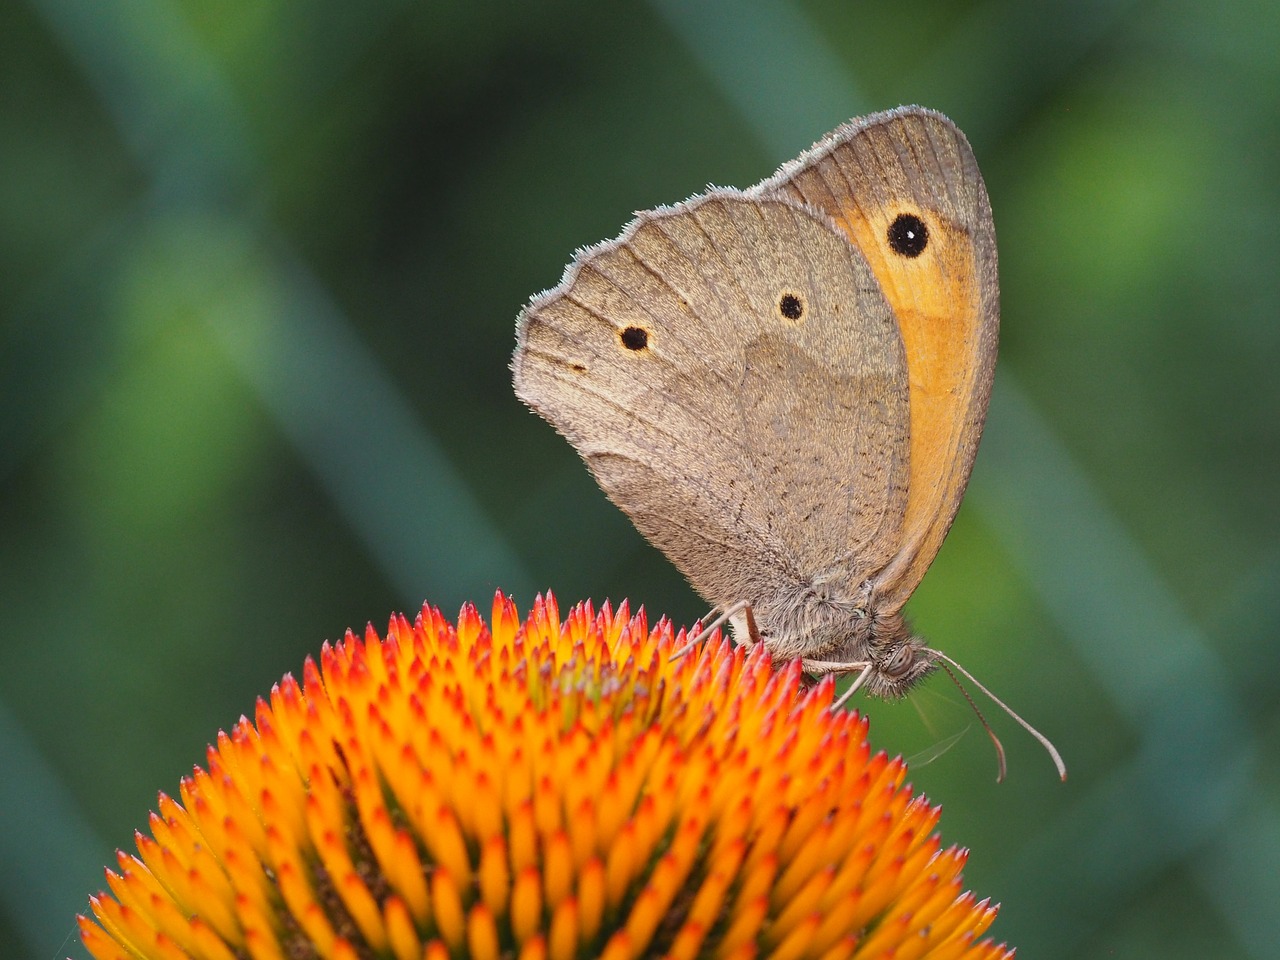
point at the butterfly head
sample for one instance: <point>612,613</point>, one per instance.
<point>899,659</point>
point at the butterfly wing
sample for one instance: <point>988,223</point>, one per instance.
<point>867,176</point>
<point>735,380</point>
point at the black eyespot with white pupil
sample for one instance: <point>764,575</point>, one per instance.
<point>791,305</point>
<point>908,236</point>
<point>634,338</point>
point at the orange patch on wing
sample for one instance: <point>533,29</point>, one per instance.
<point>937,302</point>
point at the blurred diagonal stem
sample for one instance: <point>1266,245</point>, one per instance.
<point>332,399</point>
<point>347,420</point>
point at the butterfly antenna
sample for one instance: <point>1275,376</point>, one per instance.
<point>1001,766</point>
<point>1044,741</point>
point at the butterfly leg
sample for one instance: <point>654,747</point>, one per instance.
<point>861,667</point>
<point>837,667</point>
<point>726,614</point>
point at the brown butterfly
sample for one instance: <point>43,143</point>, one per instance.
<point>784,387</point>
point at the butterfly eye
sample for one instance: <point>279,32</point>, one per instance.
<point>900,662</point>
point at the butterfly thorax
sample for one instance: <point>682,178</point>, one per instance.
<point>860,631</point>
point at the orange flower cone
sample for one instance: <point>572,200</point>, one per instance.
<point>541,790</point>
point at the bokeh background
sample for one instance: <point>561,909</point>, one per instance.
<point>259,269</point>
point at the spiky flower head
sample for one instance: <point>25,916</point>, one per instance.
<point>541,789</point>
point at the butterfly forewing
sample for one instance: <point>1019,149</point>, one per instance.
<point>869,176</point>
<point>734,377</point>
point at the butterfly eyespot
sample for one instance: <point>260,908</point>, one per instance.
<point>634,338</point>
<point>908,235</point>
<point>792,305</point>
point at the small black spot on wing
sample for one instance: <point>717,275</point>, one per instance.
<point>634,338</point>
<point>792,305</point>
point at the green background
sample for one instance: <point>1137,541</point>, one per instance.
<point>259,269</point>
